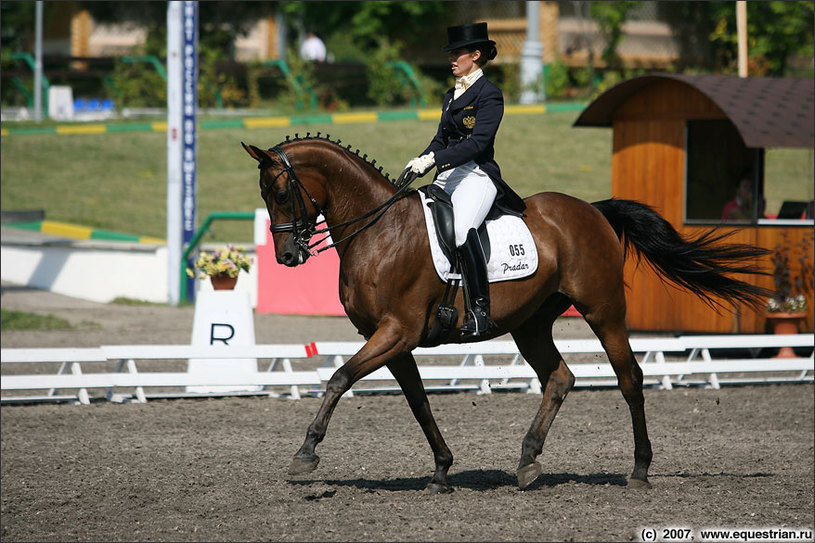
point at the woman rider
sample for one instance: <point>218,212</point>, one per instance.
<point>462,151</point>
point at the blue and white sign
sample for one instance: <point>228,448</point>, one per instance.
<point>182,141</point>
<point>190,98</point>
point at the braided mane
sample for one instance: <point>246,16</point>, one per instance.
<point>338,143</point>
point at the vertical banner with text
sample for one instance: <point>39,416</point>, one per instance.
<point>182,105</point>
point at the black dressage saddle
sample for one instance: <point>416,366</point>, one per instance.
<point>441,208</point>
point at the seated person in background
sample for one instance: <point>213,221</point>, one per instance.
<point>740,208</point>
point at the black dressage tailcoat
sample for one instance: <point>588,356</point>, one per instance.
<point>467,132</point>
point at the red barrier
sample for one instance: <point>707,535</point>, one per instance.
<point>309,289</point>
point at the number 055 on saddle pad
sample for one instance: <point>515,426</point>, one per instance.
<point>512,250</point>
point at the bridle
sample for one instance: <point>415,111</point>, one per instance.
<point>303,227</point>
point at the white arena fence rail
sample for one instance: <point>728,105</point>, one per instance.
<point>294,370</point>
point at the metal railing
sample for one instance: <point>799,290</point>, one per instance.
<point>29,60</point>
<point>407,78</point>
<point>296,82</point>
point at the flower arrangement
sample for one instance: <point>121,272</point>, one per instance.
<point>793,275</point>
<point>228,260</point>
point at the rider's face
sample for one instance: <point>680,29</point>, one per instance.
<point>462,61</point>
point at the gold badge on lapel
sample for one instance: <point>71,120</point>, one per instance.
<point>469,122</point>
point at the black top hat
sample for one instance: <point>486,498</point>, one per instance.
<point>464,35</point>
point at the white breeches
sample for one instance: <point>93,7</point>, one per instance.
<point>472,192</point>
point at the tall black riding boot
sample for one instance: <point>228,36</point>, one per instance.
<point>476,286</point>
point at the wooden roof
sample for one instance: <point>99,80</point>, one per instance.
<point>767,111</point>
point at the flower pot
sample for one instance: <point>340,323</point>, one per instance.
<point>223,281</point>
<point>785,323</point>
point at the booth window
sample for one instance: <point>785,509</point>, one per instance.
<point>728,182</point>
<point>723,177</point>
<point>789,185</point>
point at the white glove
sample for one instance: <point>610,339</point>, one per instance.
<point>422,164</point>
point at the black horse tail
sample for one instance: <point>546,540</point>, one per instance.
<point>702,265</point>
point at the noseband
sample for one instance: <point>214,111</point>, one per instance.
<point>302,226</point>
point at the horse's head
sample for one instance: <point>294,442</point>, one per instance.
<point>293,204</point>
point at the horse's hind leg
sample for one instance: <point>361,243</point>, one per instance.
<point>407,374</point>
<point>535,343</point>
<point>609,325</point>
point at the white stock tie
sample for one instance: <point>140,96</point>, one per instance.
<point>462,84</point>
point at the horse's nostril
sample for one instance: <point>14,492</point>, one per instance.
<point>286,258</point>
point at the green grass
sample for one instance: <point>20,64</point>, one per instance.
<point>20,320</point>
<point>117,181</point>
<point>122,300</point>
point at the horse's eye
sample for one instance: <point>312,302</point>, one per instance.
<point>281,196</point>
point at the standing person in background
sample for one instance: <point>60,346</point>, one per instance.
<point>463,152</point>
<point>312,48</point>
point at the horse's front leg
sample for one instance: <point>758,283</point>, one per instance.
<point>385,344</point>
<point>406,372</point>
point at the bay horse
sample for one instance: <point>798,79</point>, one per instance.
<point>390,291</point>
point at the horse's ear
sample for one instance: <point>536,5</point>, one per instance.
<point>254,152</point>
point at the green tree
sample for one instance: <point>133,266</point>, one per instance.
<point>777,33</point>
<point>610,17</point>
<point>216,18</point>
<point>368,22</point>
<point>17,23</point>
<point>220,23</point>
<point>383,86</point>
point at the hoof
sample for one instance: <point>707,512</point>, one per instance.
<point>527,474</point>
<point>436,488</point>
<point>300,466</point>
<point>638,483</point>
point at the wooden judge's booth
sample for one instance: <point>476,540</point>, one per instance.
<point>681,143</point>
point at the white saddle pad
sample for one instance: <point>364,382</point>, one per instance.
<point>512,250</point>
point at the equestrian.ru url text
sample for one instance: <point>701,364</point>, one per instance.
<point>724,534</point>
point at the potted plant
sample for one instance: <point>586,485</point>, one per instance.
<point>222,266</point>
<point>793,277</point>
